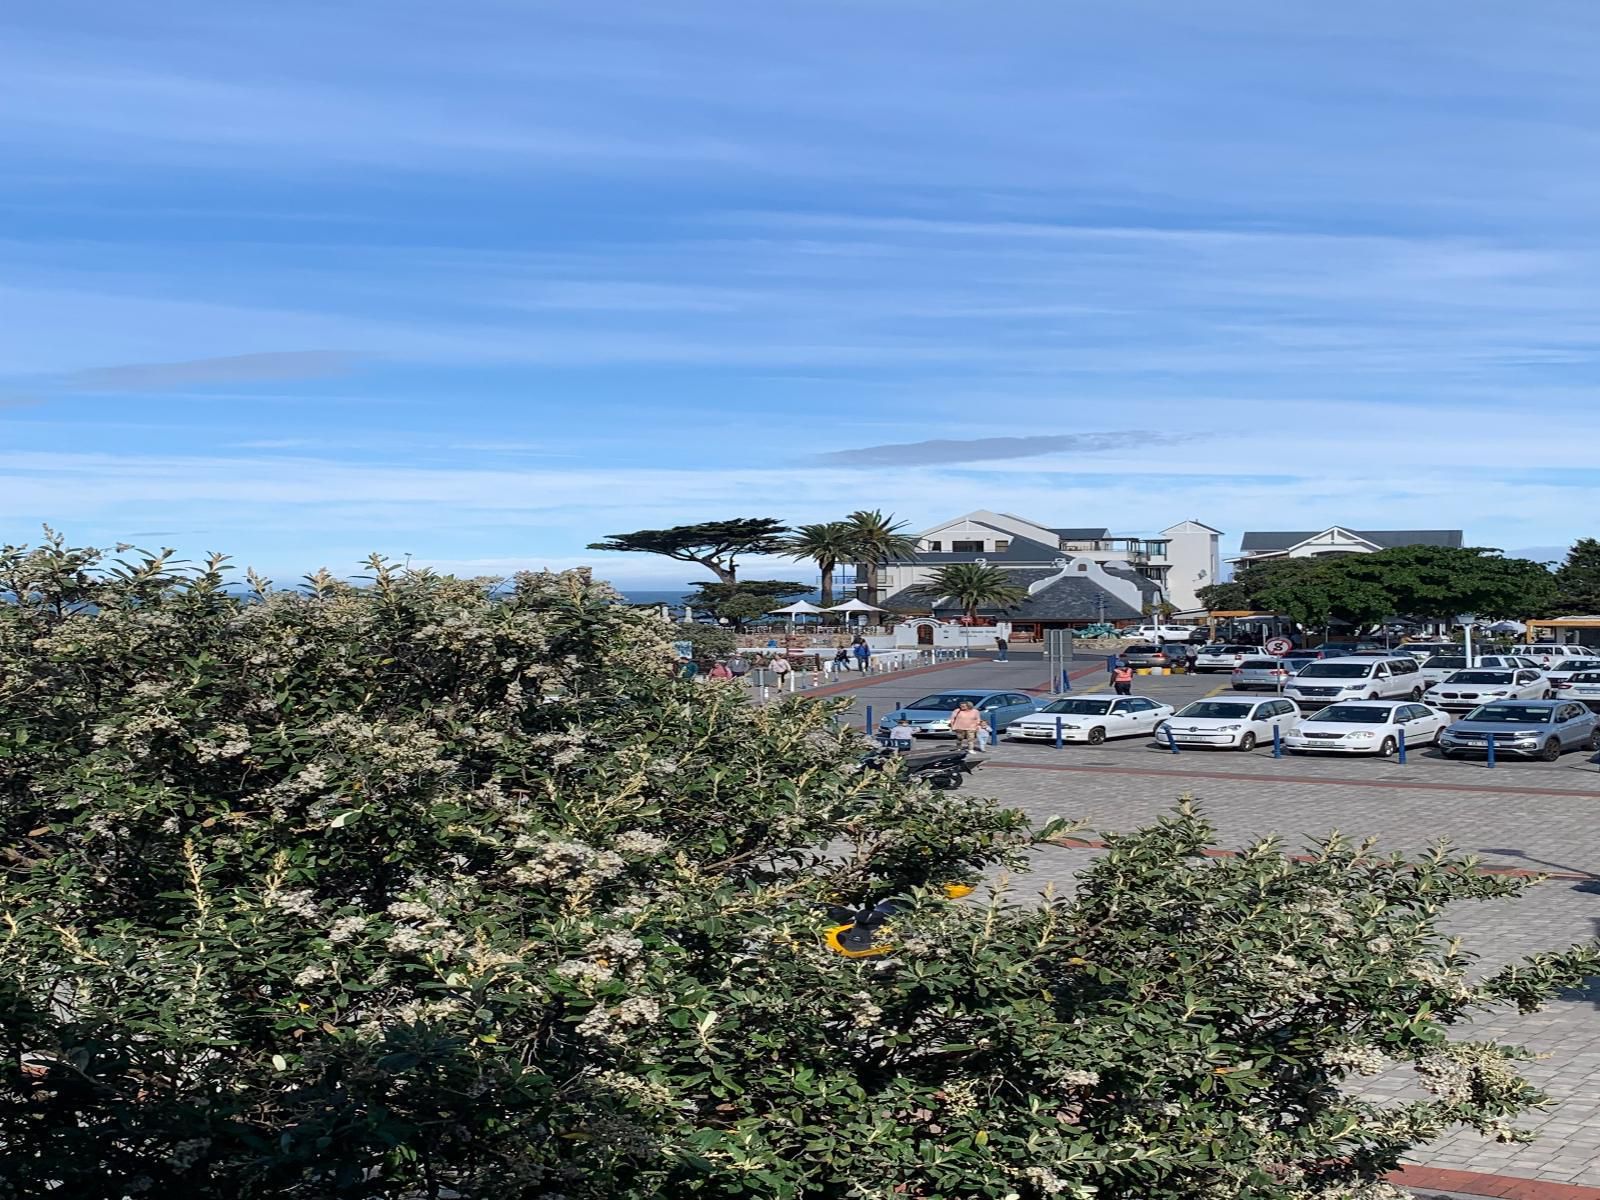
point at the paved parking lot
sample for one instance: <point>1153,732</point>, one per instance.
<point>1527,815</point>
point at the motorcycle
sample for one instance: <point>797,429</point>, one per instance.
<point>941,768</point>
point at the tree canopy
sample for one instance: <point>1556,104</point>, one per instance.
<point>972,586</point>
<point>715,545</point>
<point>425,889</point>
<point>745,600</point>
<point>1578,579</point>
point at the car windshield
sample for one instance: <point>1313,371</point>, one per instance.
<point>1585,677</point>
<point>1512,714</point>
<point>1335,670</point>
<point>1225,649</point>
<point>946,702</point>
<point>1580,664</point>
<point>1082,708</point>
<point>1351,714</point>
<point>1214,708</point>
<point>1480,677</point>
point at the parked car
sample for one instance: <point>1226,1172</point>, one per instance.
<point>1582,686</point>
<point>1441,666</point>
<point>1367,727</point>
<point>1231,724</point>
<point>1422,651</point>
<point>1166,633</point>
<point>1346,649</point>
<point>1543,729</point>
<point>1355,678</point>
<point>1149,654</point>
<point>1296,659</point>
<point>1462,690</point>
<point>930,716</point>
<point>1253,673</point>
<point>1546,654</point>
<point>1091,719</point>
<point>1223,656</point>
<point>1564,669</point>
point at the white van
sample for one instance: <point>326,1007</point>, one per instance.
<point>1358,677</point>
<point>1548,654</point>
<point>1161,633</point>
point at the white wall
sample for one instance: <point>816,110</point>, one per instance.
<point>1194,558</point>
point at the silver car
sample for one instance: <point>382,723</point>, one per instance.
<point>1264,673</point>
<point>1582,686</point>
<point>1542,729</point>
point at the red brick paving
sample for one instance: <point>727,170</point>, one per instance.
<point>1474,1183</point>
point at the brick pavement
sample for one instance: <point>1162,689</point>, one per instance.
<point>1520,815</point>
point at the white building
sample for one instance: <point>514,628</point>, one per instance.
<point>1177,561</point>
<point>1336,539</point>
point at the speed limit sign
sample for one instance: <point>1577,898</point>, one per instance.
<point>1278,646</point>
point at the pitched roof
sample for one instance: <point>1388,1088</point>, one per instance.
<point>1070,598</point>
<point>1385,538</point>
<point>1081,535</point>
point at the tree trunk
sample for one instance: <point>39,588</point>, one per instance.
<point>870,570</point>
<point>827,584</point>
<point>725,574</point>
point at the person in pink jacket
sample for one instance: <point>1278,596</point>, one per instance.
<point>965,723</point>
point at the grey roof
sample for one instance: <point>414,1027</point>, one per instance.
<point>1384,538</point>
<point>1081,535</point>
<point>1021,550</point>
<point>1070,598</point>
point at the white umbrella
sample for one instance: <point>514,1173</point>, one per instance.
<point>798,608</point>
<point>1508,627</point>
<point>856,605</point>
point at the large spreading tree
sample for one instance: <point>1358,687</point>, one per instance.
<point>1578,579</point>
<point>428,889</point>
<point>715,545</point>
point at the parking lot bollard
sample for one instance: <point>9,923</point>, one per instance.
<point>1402,747</point>
<point>1059,738</point>
<point>1172,740</point>
<point>1491,749</point>
<point>869,718</point>
<point>994,730</point>
<point>1277,742</point>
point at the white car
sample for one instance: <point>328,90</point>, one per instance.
<point>1547,654</point>
<point>1464,690</point>
<point>1563,669</point>
<point>1230,724</point>
<point>1368,727</point>
<point>1358,677</point>
<point>1441,667</point>
<point>1090,719</point>
<point>1582,686</point>
<point>1161,633</point>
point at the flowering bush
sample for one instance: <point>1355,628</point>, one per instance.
<point>423,889</point>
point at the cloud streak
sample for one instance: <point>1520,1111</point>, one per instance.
<point>234,368</point>
<point>965,450</point>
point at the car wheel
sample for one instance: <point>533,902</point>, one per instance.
<point>1096,736</point>
<point>1416,694</point>
<point>1592,742</point>
<point>1247,743</point>
<point>1374,696</point>
<point>1551,751</point>
<point>1388,748</point>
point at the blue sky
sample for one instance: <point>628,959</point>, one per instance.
<point>483,282</point>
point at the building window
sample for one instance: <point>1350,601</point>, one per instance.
<point>967,547</point>
<point>935,547</point>
<point>1001,545</point>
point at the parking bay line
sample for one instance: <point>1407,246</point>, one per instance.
<point>1394,785</point>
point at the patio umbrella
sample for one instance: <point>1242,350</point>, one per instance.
<point>797,609</point>
<point>856,605</point>
<point>1508,627</point>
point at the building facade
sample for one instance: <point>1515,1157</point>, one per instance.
<point>1336,539</point>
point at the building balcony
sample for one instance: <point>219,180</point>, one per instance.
<point>1132,549</point>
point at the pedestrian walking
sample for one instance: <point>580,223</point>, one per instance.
<point>739,666</point>
<point>719,670</point>
<point>841,660</point>
<point>1000,647</point>
<point>863,653</point>
<point>780,667</point>
<point>1122,680</point>
<point>965,723</point>
<point>900,736</point>
<point>687,669</point>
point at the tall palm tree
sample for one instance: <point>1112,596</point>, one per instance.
<point>972,586</point>
<point>878,539</point>
<point>827,544</point>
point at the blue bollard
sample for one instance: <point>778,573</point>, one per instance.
<point>1172,741</point>
<point>994,730</point>
<point>1402,747</point>
<point>1491,749</point>
<point>869,718</point>
<point>1059,739</point>
<point>1277,742</point>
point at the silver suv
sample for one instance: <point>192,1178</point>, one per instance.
<point>1364,677</point>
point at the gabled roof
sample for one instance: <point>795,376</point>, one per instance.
<point>1069,598</point>
<point>1192,521</point>
<point>1385,539</point>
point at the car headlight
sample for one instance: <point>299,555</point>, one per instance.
<point>1361,734</point>
<point>1228,728</point>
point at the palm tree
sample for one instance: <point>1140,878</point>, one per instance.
<point>827,544</point>
<point>878,539</point>
<point>972,586</point>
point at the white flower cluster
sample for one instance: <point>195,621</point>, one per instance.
<point>572,865</point>
<point>1363,1060</point>
<point>637,841</point>
<point>1076,1078</point>
<point>584,972</point>
<point>400,750</point>
<point>620,946</point>
<point>866,1014</point>
<point>433,935</point>
<point>345,928</point>
<point>643,1091</point>
<point>610,1026</point>
<point>311,976</point>
<point>1046,1180</point>
<point>1455,1070</point>
<point>300,903</point>
<point>227,741</point>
